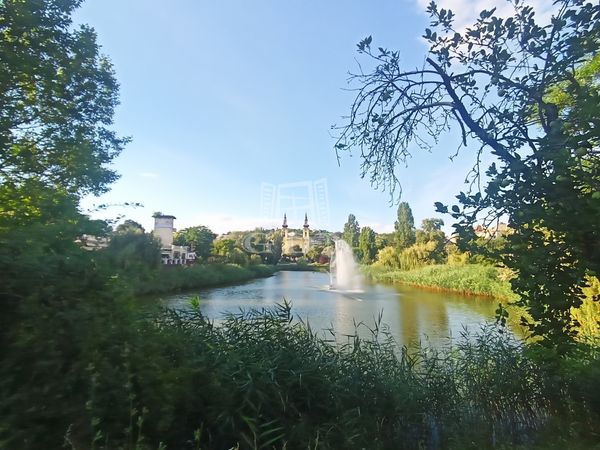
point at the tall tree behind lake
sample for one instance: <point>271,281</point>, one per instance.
<point>405,227</point>
<point>351,231</point>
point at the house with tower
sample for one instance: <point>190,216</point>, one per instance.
<point>170,254</point>
<point>295,244</point>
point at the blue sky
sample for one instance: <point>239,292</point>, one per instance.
<point>224,97</point>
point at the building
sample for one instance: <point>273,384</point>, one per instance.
<point>293,244</point>
<point>171,255</point>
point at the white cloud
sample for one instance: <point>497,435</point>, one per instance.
<point>466,12</point>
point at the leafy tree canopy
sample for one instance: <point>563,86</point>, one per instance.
<point>367,245</point>
<point>432,236</point>
<point>200,238</point>
<point>405,226</point>
<point>57,99</point>
<point>58,95</point>
<point>500,82</point>
<point>277,245</point>
<point>429,225</point>
<point>223,247</point>
<point>129,226</point>
<point>351,231</point>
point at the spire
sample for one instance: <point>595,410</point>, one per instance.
<point>285,225</point>
<point>305,220</point>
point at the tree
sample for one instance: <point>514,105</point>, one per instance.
<point>405,227</point>
<point>277,245</point>
<point>495,82</point>
<point>367,245</point>
<point>58,96</point>
<point>129,226</point>
<point>314,253</point>
<point>388,257</point>
<point>223,247</point>
<point>199,238</point>
<point>434,239</point>
<point>238,256</point>
<point>385,239</point>
<point>57,100</point>
<point>351,231</point>
<point>432,224</point>
<point>134,251</point>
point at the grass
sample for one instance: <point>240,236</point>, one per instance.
<point>173,279</point>
<point>467,279</point>
<point>260,380</point>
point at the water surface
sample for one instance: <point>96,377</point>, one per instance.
<point>412,314</point>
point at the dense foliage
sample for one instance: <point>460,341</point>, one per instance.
<point>57,99</point>
<point>199,239</point>
<point>405,227</point>
<point>468,279</point>
<point>366,245</point>
<point>263,380</point>
<point>58,95</point>
<point>351,231</point>
<point>498,82</point>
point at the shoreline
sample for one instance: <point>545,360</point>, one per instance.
<point>202,276</point>
<point>471,280</point>
<point>175,280</point>
<point>433,288</point>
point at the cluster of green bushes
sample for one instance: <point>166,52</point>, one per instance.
<point>171,279</point>
<point>133,260</point>
<point>107,379</point>
<point>469,279</point>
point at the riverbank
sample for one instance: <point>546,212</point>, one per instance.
<point>490,282</point>
<point>294,267</point>
<point>175,279</point>
<point>465,279</point>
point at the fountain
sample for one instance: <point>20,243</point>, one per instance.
<point>343,273</point>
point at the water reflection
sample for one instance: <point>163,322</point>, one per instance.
<point>412,314</point>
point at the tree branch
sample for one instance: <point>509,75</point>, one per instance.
<point>499,149</point>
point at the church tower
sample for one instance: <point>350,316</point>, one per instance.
<point>285,236</point>
<point>305,236</point>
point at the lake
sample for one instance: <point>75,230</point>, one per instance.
<point>411,314</point>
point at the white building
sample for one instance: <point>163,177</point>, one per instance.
<point>171,254</point>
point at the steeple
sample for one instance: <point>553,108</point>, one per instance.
<point>285,225</point>
<point>305,236</point>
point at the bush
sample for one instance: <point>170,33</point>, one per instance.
<point>180,278</point>
<point>238,256</point>
<point>302,261</point>
<point>262,380</point>
<point>388,257</point>
<point>466,279</point>
<point>255,260</point>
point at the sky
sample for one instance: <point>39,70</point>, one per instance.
<point>230,104</point>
